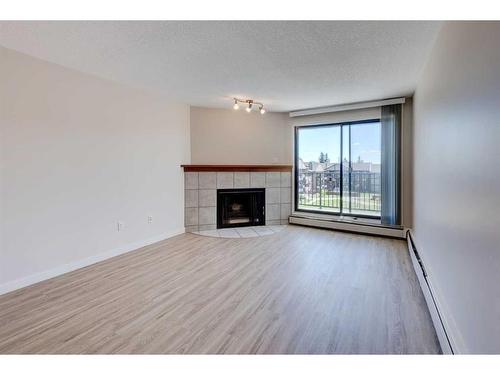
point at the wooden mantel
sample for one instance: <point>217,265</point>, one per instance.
<point>236,168</point>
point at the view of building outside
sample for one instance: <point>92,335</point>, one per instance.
<point>322,186</point>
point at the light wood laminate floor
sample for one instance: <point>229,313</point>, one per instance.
<point>302,290</point>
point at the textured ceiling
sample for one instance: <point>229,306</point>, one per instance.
<point>287,65</point>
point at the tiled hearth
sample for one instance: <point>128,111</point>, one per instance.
<point>243,232</point>
<point>200,195</point>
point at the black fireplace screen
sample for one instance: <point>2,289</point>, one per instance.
<point>240,207</point>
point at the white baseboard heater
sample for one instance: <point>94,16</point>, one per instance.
<point>437,318</point>
<point>364,228</point>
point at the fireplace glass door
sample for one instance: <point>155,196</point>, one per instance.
<point>240,207</point>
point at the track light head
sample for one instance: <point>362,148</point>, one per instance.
<point>249,108</point>
<point>236,106</point>
<point>262,110</point>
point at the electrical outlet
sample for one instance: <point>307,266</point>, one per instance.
<point>150,219</point>
<point>120,226</point>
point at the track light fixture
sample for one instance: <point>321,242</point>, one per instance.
<point>250,103</point>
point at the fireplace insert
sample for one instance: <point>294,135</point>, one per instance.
<point>240,207</point>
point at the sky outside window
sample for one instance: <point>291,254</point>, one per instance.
<point>314,140</point>
<point>365,142</point>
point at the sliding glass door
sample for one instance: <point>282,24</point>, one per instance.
<point>338,168</point>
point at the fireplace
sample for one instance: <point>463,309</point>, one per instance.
<point>240,207</point>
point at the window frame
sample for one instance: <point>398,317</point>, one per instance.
<point>296,169</point>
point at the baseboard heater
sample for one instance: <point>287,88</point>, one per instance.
<point>363,228</point>
<point>430,299</point>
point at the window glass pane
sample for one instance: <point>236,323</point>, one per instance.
<point>318,183</point>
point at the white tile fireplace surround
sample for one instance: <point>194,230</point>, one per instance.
<point>200,195</point>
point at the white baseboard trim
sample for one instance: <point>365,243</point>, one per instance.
<point>439,320</point>
<point>349,227</point>
<point>68,267</point>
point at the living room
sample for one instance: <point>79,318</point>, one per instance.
<point>249,187</point>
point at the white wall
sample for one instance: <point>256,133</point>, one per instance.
<point>77,154</point>
<point>457,181</point>
<point>226,136</point>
